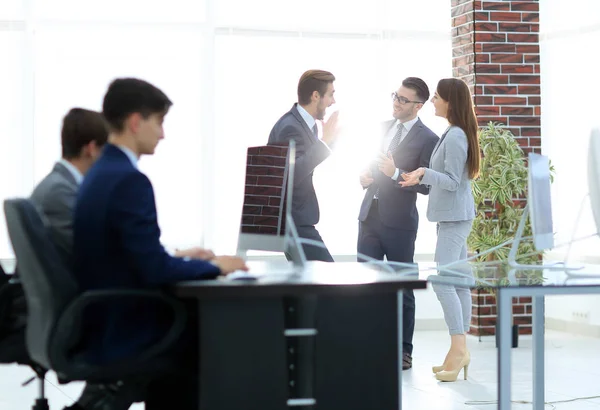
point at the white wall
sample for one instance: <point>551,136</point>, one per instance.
<point>570,89</point>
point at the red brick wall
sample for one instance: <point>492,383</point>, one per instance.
<point>483,321</point>
<point>496,50</point>
<point>264,199</point>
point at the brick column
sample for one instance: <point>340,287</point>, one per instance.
<point>496,50</point>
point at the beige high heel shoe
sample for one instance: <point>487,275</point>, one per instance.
<point>452,375</point>
<point>437,369</point>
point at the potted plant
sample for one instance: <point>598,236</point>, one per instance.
<point>499,198</point>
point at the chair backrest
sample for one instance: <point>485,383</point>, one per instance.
<point>47,283</point>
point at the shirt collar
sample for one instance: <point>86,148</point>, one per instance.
<point>130,154</point>
<point>308,119</point>
<point>73,170</point>
<point>408,124</point>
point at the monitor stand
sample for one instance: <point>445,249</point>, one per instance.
<point>512,255</point>
<point>292,243</point>
<point>289,243</point>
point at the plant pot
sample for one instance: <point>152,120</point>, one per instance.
<point>515,335</point>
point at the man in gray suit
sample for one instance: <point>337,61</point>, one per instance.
<point>388,218</point>
<point>315,95</point>
<point>83,135</point>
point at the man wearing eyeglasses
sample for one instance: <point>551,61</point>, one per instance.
<point>388,218</point>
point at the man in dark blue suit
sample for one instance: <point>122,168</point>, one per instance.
<point>388,218</point>
<point>116,234</point>
<point>315,95</point>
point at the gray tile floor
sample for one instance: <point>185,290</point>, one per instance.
<point>572,371</point>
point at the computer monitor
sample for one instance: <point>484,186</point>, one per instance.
<point>267,222</point>
<point>539,210</point>
<point>540,202</point>
<point>594,175</point>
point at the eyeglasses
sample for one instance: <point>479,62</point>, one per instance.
<point>403,100</point>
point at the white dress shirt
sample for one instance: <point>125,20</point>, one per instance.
<point>73,170</point>
<point>390,136</point>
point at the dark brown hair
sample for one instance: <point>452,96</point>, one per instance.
<point>462,114</point>
<point>313,80</point>
<point>418,86</point>
<point>80,127</point>
<point>126,96</point>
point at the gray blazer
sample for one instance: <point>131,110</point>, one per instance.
<point>450,196</point>
<point>55,197</point>
<point>309,154</point>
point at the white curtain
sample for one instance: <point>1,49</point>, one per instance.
<point>231,68</point>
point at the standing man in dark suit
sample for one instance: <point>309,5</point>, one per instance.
<point>117,238</point>
<point>83,135</point>
<point>315,95</point>
<point>388,218</point>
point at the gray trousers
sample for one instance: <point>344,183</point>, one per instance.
<point>455,300</point>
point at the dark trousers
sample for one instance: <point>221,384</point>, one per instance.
<point>300,313</point>
<point>377,240</point>
<point>171,384</point>
<point>313,253</point>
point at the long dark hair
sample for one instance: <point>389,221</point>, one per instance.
<point>462,114</point>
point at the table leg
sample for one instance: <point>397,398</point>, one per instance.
<point>400,336</point>
<point>538,352</point>
<point>504,300</point>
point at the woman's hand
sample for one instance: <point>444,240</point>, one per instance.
<point>412,178</point>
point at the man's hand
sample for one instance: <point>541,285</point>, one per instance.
<point>195,253</point>
<point>386,164</point>
<point>366,179</point>
<point>331,130</point>
<point>228,264</point>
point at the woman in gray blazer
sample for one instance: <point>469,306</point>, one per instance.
<point>454,162</point>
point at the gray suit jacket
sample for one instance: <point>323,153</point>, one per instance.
<point>309,154</point>
<point>55,197</point>
<point>450,195</point>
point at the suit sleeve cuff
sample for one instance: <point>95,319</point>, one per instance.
<point>216,267</point>
<point>425,180</point>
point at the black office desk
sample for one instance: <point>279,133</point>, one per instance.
<point>358,341</point>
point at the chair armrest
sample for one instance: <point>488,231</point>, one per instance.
<point>66,334</point>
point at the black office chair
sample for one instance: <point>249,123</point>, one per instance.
<point>12,325</point>
<point>56,308</point>
<point>13,317</point>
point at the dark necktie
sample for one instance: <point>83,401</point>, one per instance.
<point>397,138</point>
<point>315,131</point>
<point>392,147</point>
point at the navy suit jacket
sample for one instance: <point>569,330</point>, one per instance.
<point>117,245</point>
<point>310,152</point>
<point>397,205</point>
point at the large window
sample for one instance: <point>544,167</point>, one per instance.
<point>570,91</point>
<point>231,67</point>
